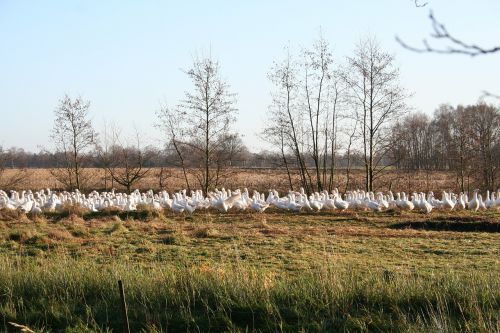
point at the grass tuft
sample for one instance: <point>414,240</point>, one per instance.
<point>118,228</point>
<point>205,232</point>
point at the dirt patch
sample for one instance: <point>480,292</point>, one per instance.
<point>381,233</point>
<point>458,224</point>
<point>273,231</point>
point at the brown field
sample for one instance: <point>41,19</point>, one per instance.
<point>258,179</point>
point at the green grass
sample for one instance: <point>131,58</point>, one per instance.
<point>238,272</point>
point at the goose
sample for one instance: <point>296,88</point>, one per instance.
<point>295,207</point>
<point>391,201</point>
<point>129,206</point>
<point>315,202</point>
<point>341,204</point>
<point>373,205</point>
<point>354,200</point>
<point>494,201</point>
<point>240,204</point>
<point>481,202</point>
<point>425,206</point>
<point>26,206</point>
<point>165,200</point>
<point>7,204</point>
<point>383,201</point>
<point>290,202</point>
<point>259,206</point>
<point>474,203</point>
<point>497,201</point>
<point>462,201</point>
<point>157,205</point>
<point>281,203</point>
<point>36,209</point>
<point>190,209</point>
<point>415,200</point>
<point>271,197</point>
<point>403,203</point>
<point>434,201</point>
<point>93,208</point>
<point>447,203</point>
<point>489,203</point>
<point>303,203</point>
<point>224,203</point>
<point>177,207</point>
<point>328,203</point>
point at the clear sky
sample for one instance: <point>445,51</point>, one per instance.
<point>126,56</point>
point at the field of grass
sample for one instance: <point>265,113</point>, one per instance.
<point>254,179</point>
<point>239,272</point>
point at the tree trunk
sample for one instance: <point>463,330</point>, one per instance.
<point>285,162</point>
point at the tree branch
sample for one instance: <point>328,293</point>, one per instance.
<point>457,46</point>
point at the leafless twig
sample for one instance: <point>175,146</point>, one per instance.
<point>487,94</point>
<point>420,5</point>
<point>456,46</point>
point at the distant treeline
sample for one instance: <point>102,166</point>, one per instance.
<point>18,158</point>
<point>463,139</point>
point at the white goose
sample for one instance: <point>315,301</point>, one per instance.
<point>402,203</point>
<point>474,204</point>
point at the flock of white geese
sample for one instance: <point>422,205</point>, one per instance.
<point>223,200</point>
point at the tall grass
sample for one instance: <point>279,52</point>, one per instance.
<point>68,295</point>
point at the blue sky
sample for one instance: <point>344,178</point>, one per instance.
<point>126,56</point>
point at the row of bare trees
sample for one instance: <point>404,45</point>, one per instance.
<point>198,130</point>
<point>315,96</point>
<point>464,139</point>
<point>324,112</point>
<point>76,144</point>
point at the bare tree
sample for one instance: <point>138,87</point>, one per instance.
<point>317,63</point>
<point>276,133</point>
<point>486,132</point>
<point>171,124</point>
<point>125,162</point>
<point>284,117</point>
<point>103,150</point>
<point>304,113</point>
<point>377,99</point>
<point>11,175</point>
<point>204,121</point>
<point>163,175</point>
<point>337,99</point>
<point>413,145</point>
<point>73,136</point>
<point>349,153</point>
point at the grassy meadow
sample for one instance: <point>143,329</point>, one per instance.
<point>261,179</point>
<point>241,272</point>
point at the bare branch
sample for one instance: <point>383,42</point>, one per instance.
<point>456,45</point>
<point>487,94</point>
<point>420,5</point>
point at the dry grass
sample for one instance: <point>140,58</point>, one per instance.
<point>274,240</point>
<point>10,215</point>
<point>312,262</point>
<point>259,179</point>
<point>60,234</point>
<point>205,232</point>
